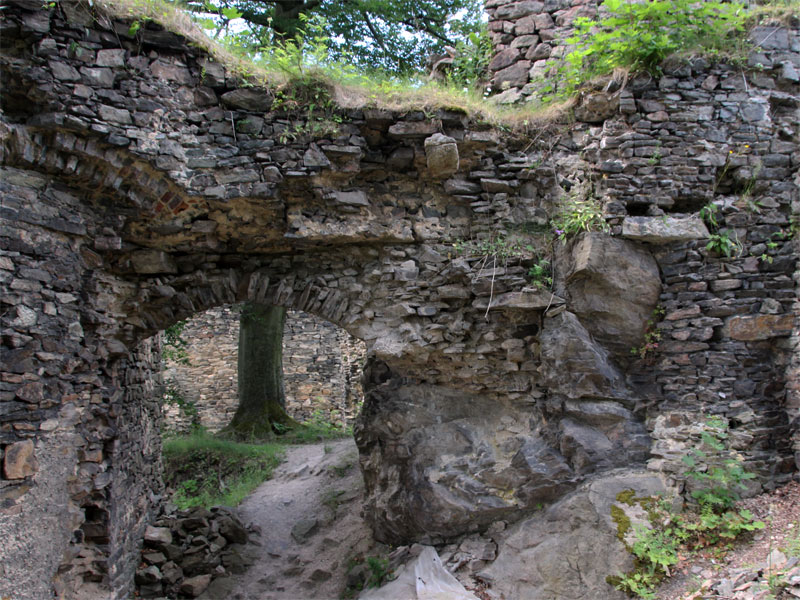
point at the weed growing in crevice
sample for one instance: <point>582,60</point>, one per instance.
<point>710,215</point>
<point>652,335</point>
<point>576,215</point>
<point>540,274</point>
<point>497,251</point>
<point>722,242</point>
<point>379,572</point>
<point>772,244</point>
<point>367,572</point>
<point>725,243</point>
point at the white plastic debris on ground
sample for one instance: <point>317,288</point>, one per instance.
<point>423,578</point>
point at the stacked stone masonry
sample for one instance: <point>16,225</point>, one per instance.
<point>322,367</point>
<point>527,39</point>
<point>142,184</point>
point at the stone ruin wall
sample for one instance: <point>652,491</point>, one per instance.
<point>322,367</point>
<point>525,36</point>
<point>129,203</point>
<point>528,39</point>
<point>693,102</point>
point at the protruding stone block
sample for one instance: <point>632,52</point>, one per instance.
<point>442,154</point>
<point>412,129</point>
<point>255,99</point>
<point>525,300</point>
<point>613,285</point>
<point>357,198</point>
<point>750,328</point>
<point>663,230</point>
<point>19,461</point>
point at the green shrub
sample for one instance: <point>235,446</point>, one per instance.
<point>713,521</point>
<point>319,428</point>
<point>720,475</point>
<point>471,59</point>
<point>640,35</point>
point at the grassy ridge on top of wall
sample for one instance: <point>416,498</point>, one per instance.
<point>350,89</point>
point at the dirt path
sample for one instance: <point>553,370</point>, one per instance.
<point>311,529</point>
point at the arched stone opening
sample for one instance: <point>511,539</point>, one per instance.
<point>322,368</point>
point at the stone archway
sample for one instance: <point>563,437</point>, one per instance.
<point>361,239</point>
<point>322,367</point>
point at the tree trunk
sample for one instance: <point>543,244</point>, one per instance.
<point>262,403</point>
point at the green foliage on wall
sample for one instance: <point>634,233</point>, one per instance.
<point>639,35</point>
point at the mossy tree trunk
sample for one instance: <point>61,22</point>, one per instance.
<point>262,402</point>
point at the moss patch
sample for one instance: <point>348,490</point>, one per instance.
<point>627,497</point>
<point>622,521</point>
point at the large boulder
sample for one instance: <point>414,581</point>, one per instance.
<point>567,551</point>
<point>440,462</point>
<point>613,286</point>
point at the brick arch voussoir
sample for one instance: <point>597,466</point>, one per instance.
<point>99,169</point>
<point>159,302</point>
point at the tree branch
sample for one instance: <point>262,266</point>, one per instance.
<point>375,34</point>
<point>426,27</point>
<point>298,7</point>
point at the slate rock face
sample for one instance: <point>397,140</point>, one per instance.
<point>575,365</point>
<point>438,463</point>
<point>569,550</point>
